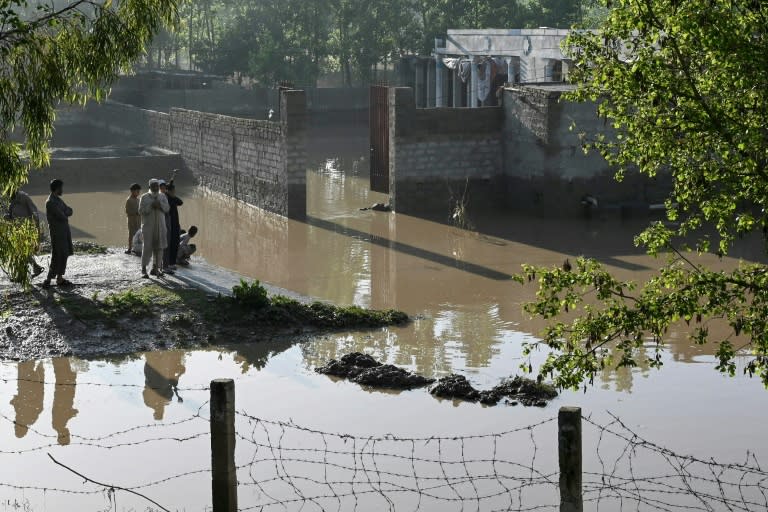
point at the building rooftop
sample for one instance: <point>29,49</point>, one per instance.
<point>545,86</point>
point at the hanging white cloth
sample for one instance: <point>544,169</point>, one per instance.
<point>451,62</point>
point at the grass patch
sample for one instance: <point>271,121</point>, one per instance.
<point>280,310</point>
<point>137,303</point>
<point>130,302</point>
<point>246,309</point>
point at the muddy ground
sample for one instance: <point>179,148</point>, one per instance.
<point>111,310</point>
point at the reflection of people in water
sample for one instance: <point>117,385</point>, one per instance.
<point>63,398</point>
<point>161,377</point>
<point>28,402</point>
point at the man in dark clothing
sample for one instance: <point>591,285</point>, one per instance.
<point>58,214</point>
<point>174,228</point>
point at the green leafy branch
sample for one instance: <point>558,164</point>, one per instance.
<point>613,322</point>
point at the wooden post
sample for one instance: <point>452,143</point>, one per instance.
<point>224,484</point>
<point>569,447</point>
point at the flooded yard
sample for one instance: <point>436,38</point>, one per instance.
<point>137,421</point>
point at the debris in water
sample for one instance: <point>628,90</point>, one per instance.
<point>378,207</point>
<point>364,369</point>
<point>518,389</point>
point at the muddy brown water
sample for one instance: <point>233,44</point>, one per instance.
<point>468,320</point>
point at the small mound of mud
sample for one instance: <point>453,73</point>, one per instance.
<point>455,386</point>
<point>390,376</point>
<point>526,391</point>
<point>518,389</point>
<point>364,369</point>
<point>349,366</point>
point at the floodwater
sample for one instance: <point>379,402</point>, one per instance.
<point>468,320</point>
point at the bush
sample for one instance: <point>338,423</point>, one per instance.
<point>250,295</point>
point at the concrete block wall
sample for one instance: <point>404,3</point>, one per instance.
<point>546,169</point>
<point>237,101</point>
<point>439,155</point>
<point>260,162</point>
<point>238,157</point>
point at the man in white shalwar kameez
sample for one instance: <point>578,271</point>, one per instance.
<point>153,206</point>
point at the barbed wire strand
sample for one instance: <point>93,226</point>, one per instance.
<point>110,487</point>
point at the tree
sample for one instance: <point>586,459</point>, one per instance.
<point>684,83</point>
<point>65,51</point>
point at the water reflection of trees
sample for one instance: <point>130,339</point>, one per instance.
<point>431,345</point>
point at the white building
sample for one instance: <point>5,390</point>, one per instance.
<point>467,67</point>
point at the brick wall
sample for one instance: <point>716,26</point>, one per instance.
<point>262,163</point>
<point>439,155</point>
<point>545,167</point>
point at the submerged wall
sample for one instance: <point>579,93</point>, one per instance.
<point>524,155</point>
<point>545,166</point>
<point>436,155</point>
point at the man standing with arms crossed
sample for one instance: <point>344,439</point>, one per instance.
<point>58,214</point>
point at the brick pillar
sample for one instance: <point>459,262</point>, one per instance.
<point>293,116</point>
<point>402,109</point>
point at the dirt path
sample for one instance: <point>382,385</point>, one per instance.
<point>112,310</point>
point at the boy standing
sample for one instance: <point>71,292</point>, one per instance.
<point>132,212</point>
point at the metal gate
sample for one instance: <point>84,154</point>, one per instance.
<point>379,138</point>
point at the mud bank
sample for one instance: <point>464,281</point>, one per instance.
<point>365,370</point>
<point>111,310</point>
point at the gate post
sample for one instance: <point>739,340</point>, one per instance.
<point>569,449</point>
<point>224,481</point>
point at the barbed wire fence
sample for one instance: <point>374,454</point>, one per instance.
<point>284,466</point>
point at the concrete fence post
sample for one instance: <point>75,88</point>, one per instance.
<point>569,447</point>
<point>224,482</point>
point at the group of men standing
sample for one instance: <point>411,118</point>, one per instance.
<point>153,226</point>
<point>154,230</point>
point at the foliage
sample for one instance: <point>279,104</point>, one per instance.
<point>684,85</point>
<point>60,52</point>
<point>296,41</point>
<point>18,241</point>
<point>285,312</point>
<point>250,295</point>
<point>134,302</point>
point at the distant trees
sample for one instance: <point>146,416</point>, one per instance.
<point>274,40</point>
